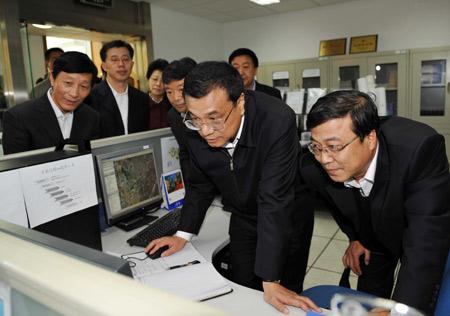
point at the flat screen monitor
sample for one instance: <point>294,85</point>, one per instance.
<point>129,182</point>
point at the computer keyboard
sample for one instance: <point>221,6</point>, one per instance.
<point>165,226</point>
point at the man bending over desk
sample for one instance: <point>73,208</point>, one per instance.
<point>246,148</point>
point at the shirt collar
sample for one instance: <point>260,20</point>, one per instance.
<point>253,87</point>
<point>55,107</point>
<point>115,93</point>
<point>238,135</point>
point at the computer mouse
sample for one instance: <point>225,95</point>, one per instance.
<point>157,253</point>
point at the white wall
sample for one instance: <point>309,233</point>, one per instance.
<point>400,24</point>
<point>176,35</point>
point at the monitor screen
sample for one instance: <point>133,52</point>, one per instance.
<point>129,182</point>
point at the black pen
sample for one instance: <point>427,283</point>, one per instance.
<point>184,265</point>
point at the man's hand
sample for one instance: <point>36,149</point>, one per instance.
<point>175,244</point>
<point>279,296</point>
<point>352,254</point>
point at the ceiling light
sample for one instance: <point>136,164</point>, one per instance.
<point>265,2</point>
<point>42,26</point>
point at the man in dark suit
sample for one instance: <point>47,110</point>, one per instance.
<point>387,185</point>
<point>245,147</point>
<point>173,79</point>
<point>122,108</point>
<point>246,63</point>
<point>59,114</point>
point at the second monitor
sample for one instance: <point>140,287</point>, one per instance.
<point>129,183</point>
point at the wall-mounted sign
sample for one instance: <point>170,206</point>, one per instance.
<point>98,3</point>
<point>332,47</point>
<point>363,44</point>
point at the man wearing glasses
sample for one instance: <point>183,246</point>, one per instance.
<point>245,147</point>
<point>123,109</point>
<point>386,182</point>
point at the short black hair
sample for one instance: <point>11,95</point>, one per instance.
<point>115,44</point>
<point>75,62</point>
<point>338,104</point>
<point>177,70</point>
<point>158,64</point>
<point>189,61</point>
<point>244,52</point>
<point>49,51</point>
<point>210,75</point>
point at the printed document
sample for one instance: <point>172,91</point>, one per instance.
<point>58,188</point>
<point>198,281</point>
<point>13,204</point>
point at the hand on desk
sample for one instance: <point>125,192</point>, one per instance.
<point>279,296</point>
<point>352,254</point>
<point>175,244</point>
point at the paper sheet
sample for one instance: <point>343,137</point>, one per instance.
<point>13,204</point>
<point>170,154</point>
<point>197,282</point>
<point>295,100</point>
<point>58,188</point>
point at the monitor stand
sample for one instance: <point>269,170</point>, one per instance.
<point>138,220</point>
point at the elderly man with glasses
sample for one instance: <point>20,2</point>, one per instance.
<point>386,182</point>
<point>246,147</point>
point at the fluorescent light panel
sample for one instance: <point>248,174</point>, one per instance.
<point>265,2</point>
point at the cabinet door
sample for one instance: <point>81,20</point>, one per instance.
<point>279,76</point>
<point>429,94</point>
<point>312,74</point>
<point>346,71</point>
<point>390,72</point>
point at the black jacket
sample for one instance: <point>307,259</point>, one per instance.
<point>267,90</point>
<point>257,183</point>
<point>111,124</point>
<point>410,205</point>
<point>33,125</point>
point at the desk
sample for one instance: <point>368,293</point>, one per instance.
<point>212,237</point>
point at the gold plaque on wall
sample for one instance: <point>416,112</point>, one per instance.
<point>363,44</point>
<point>333,47</point>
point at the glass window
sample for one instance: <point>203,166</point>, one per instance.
<point>387,77</point>
<point>432,94</point>
<point>348,76</point>
<point>311,78</point>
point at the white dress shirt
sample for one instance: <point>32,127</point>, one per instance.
<point>122,103</point>
<point>65,120</point>
<point>366,183</point>
<point>230,146</point>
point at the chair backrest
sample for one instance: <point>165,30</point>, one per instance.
<point>443,303</point>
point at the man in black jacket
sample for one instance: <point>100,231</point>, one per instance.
<point>59,114</point>
<point>246,63</point>
<point>173,79</point>
<point>122,108</point>
<point>245,146</point>
<point>387,185</point>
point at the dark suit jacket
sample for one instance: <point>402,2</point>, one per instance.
<point>103,101</point>
<point>179,130</point>
<point>410,205</point>
<point>267,90</point>
<point>33,125</point>
<point>259,186</point>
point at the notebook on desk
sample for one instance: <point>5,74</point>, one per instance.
<point>185,273</point>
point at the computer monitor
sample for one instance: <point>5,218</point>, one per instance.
<point>129,182</point>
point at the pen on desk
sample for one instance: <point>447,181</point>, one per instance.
<point>184,265</point>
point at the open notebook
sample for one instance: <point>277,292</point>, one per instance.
<point>198,281</point>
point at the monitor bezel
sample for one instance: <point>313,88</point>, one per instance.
<point>110,218</point>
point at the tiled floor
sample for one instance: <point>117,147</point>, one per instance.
<point>327,247</point>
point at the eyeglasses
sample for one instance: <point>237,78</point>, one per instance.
<point>216,124</point>
<point>331,150</point>
<point>116,60</point>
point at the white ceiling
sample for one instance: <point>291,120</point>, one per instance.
<point>235,10</point>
